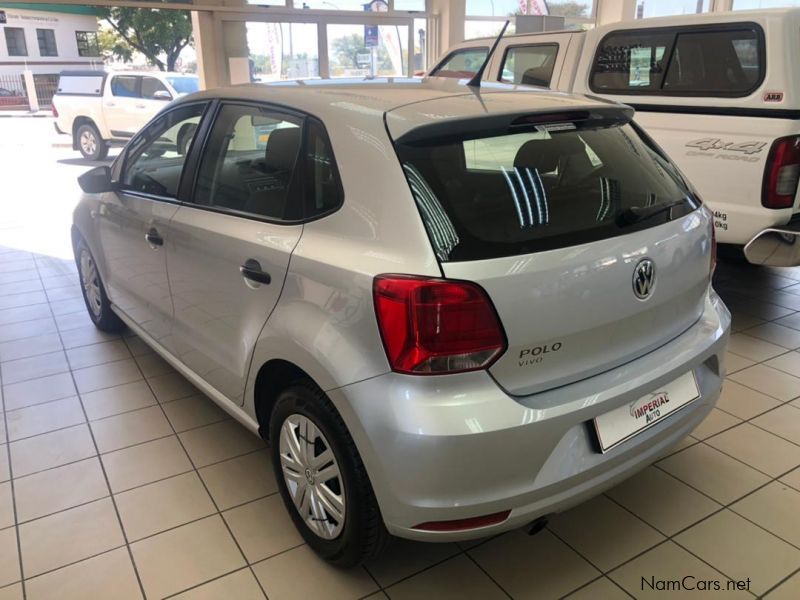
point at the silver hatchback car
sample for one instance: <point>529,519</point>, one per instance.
<point>451,312</point>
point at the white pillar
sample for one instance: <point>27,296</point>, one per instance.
<point>30,86</point>
<point>451,15</point>
<point>614,11</point>
<point>207,47</point>
<point>721,5</point>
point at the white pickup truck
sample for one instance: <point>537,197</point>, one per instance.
<point>701,88</point>
<point>99,109</point>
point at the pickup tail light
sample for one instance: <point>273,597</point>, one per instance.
<point>782,173</point>
<point>55,110</point>
<point>436,326</point>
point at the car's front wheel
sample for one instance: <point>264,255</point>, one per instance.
<point>89,142</point>
<point>94,294</point>
<point>322,479</point>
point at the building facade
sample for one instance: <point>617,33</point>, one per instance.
<point>45,39</point>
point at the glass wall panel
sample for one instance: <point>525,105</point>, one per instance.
<point>368,50</point>
<point>282,50</point>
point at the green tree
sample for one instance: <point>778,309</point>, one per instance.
<point>111,45</point>
<point>570,8</point>
<point>347,48</point>
<point>160,35</point>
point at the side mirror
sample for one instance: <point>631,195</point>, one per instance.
<point>162,95</point>
<point>96,181</point>
<point>774,248</point>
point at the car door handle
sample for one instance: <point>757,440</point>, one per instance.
<point>251,269</point>
<point>141,106</point>
<point>154,238</point>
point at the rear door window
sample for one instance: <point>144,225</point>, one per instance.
<point>461,64</point>
<point>250,163</point>
<point>529,65</point>
<point>545,188</point>
<point>718,61</point>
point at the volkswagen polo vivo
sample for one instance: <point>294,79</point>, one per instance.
<point>452,312</point>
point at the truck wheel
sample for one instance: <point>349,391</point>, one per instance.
<point>90,144</point>
<point>322,480</point>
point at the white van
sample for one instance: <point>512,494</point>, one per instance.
<point>720,92</point>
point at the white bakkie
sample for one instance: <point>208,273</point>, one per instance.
<point>99,108</point>
<point>719,92</point>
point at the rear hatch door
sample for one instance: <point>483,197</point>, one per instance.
<point>589,242</point>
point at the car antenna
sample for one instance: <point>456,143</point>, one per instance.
<point>476,79</point>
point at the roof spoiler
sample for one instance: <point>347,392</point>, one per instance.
<point>499,124</point>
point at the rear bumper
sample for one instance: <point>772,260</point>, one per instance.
<point>58,129</point>
<point>454,447</point>
<point>778,253</point>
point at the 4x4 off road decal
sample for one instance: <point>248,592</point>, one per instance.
<point>719,149</point>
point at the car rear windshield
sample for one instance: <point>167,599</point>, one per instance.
<point>545,188</point>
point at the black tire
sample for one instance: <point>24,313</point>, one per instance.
<point>89,142</point>
<point>97,304</point>
<point>363,535</point>
<point>732,253</point>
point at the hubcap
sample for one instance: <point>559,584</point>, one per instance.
<point>312,476</point>
<point>88,142</point>
<point>91,283</point>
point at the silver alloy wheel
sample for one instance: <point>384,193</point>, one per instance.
<point>312,476</point>
<point>91,282</point>
<point>88,142</point>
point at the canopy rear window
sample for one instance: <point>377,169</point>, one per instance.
<point>549,186</point>
<point>721,61</point>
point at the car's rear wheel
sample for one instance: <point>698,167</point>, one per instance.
<point>90,144</point>
<point>94,294</point>
<point>322,479</point>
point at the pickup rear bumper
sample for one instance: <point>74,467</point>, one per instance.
<point>776,246</point>
<point>58,129</point>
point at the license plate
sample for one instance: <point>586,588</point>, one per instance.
<point>623,423</point>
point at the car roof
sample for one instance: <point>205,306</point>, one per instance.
<point>422,100</point>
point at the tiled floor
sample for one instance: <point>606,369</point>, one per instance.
<point>119,480</point>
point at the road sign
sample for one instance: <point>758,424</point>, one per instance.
<point>371,36</point>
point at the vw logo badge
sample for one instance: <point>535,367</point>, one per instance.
<point>644,278</point>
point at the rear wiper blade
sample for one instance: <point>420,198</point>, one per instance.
<point>635,214</point>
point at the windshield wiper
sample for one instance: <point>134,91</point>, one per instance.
<point>635,214</point>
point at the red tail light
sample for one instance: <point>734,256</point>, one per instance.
<point>464,524</point>
<point>435,326</point>
<point>782,173</point>
<point>55,110</point>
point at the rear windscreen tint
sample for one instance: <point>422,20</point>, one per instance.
<point>543,189</point>
<point>724,62</point>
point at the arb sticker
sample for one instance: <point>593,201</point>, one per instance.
<point>773,96</point>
